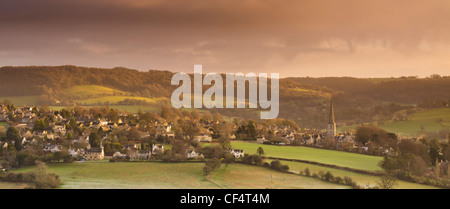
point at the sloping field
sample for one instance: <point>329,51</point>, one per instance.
<point>113,100</point>
<point>433,120</point>
<point>21,100</point>
<point>254,177</point>
<point>131,175</point>
<point>361,179</point>
<point>92,90</point>
<point>331,157</point>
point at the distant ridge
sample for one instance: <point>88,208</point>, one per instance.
<point>303,99</point>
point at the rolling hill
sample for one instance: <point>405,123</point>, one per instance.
<point>433,120</point>
<point>304,100</point>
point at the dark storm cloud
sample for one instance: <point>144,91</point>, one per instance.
<point>224,35</point>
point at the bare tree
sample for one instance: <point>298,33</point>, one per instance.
<point>387,182</point>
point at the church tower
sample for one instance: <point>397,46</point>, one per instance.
<point>331,131</point>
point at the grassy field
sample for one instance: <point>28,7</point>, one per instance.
<point>94,94</point>
<point>21,100</point>
<point>92,90</point>
<point>102,174</point>
<point>433,120</point>
<point>90,95</point>
<point>12,185</point>
<point>361,179</point>
<point>343,159</point>
<point>253,177</point>
<point>113,100</point>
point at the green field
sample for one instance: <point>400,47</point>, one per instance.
<point>92,90</point>
<point>90,95</point>
<point>21,100</point>
<point>254,177</point>
<point>433,120</point>
<point>102,174</point>
<point>94,94</point>
<point>331,157</point>
<point>361,179</point>
<point>113,100</point>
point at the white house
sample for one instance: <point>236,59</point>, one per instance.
<point>237,153</point>
<point>191,153</point>
<point>157,148</point>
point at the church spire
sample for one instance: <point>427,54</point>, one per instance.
<point>331,124</point>
<point>331,113</point>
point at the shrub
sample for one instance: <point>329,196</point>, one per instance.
<point>338,180</point>
<point>39,178</point>
<point>307,172</point>
<point>210,166</point>
<point>328,176</point>
<point>44,180</point>
<point>253,160</point>
<point>276,165</point>
<point>258,160</point>
<point>207,170</point>
<point>348,180</point>
<point>228,158</point>
<point>321,174</point>
<point>213,163</point>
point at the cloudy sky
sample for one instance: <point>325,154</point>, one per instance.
<point>360,38</point>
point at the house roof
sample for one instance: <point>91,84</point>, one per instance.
<point>94,150</point>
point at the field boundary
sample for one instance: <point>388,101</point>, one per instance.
<point>374,173</point>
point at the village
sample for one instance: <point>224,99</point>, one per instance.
<point>30,135</point>
<point>126,136</point>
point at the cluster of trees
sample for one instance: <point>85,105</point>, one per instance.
<point>133,102</point>
<point>277,165</point>
<point>39,178</point>
<point>253,159</point>
<point>15,156</point>
<point>363,100</point>
<point>376,136</point>
<point>46,80</point>
<point>329,177</point>
<point>414,158</point>
<point>251,129</point>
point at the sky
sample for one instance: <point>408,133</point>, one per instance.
<point>316,38</point>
